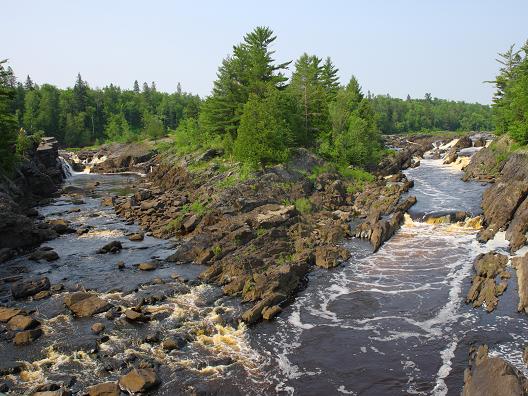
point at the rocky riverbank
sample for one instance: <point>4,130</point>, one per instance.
<point>37,178</point>
<point>505,223</point>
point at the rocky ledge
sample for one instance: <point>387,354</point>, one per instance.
<point>36,179</point>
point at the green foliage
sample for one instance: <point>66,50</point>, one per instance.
<point>250,70</point>
<point>510,103</point>
<point>264,135</point>
<point>217,250</point>
<point>154,128</point>
<point>418,115</point>
<point>8,125</point>
<point>303,205</point>
<point>81,116</point>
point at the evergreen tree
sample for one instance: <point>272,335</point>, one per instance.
<point>8,130</point>
<point>250,70</point>
<point>307,86</point>
<point>264,136</point>
<point>154,127</point>
<point>136,87</point>
<point>28,85</point>
<point>80,95</point>
<point>329,79</point>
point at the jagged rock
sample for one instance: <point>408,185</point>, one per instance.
<point>269,313</point>
<point>22,322</point>
<point>104,389</point>
<point>120,265</point>
<point>84,304</point>
<point>254,314</point>
<point>30,288</point>
<point>275,216</point>
<point>521,265</point>
<point>493,376</point>
<point>139,380</point>
<point>27,336</point>
<point>191,223</point>
<point>330,256</point>
<point>42,295</point>
<point>484,289</point>
<point>499,203</point>
<point>111,247</point>
<point>8,313</point>
<point>108,201</point>
<point>516,232</point>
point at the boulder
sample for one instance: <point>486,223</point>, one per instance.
<point>29,288</point>
<point>97,328</point>
<point>139,380</point>
<point>104,389</point>
<point>270,312</point>
<point>484,289</point>
<point>137,237</point>
<point>48,255</point>
<point>330,256</point>
<point>276,216</point>
<point>135,316</point>
<point>84,304</point>
<point>493,376</point>
<point>27,336</point>
<point>111,247</point>
<point>22,322</point>
<point>521,265</point>
<point>8,313</point>
<point>147,266</point>
<point>61,226</point>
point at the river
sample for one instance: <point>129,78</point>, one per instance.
<point>384,323</point>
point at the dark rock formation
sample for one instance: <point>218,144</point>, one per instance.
<point>35,178</point>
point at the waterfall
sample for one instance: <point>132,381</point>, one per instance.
<point>67,169</point>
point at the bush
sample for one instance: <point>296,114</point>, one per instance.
<point>303,205</point>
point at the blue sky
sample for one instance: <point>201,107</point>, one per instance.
<point>399,47</point>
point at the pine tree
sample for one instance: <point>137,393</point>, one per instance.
<point>8,130</point>
<point>308,87</point>
<point>251,69</point>
<point>329,79</point>
<point>136,87</point>
<point>80,95</point>
<point>28,85</point>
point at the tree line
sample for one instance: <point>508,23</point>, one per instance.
<point>430,114</point>
<point>510,101</point>
<point>254,113</point>
<point>82,115</point>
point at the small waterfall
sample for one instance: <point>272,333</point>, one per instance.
<point>67,169</point>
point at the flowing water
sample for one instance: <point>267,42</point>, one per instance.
<point>395,322</point>
<point>388,323</point>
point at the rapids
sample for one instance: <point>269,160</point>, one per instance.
<point>384,323</point>
<point>395,322</point>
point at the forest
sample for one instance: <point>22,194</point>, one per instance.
<point>254,112</point>
<point>510,102</point>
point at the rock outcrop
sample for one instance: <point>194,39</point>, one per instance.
<point>36,178</point>
<point>484,289</point>
<point>492,376</point>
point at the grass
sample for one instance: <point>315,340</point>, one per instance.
<point>303,205</point>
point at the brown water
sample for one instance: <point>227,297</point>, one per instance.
<point>388,323</point>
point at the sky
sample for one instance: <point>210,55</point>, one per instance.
<point>397,47</point>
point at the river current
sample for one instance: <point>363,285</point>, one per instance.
<point>385,323</point>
